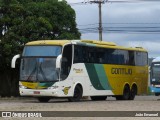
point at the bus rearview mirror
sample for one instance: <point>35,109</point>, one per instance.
<point>14,59</point>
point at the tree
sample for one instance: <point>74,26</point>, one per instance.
<point>22,21</point>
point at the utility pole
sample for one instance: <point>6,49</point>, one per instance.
<point>99,2</point>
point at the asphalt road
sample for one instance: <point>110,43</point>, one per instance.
<point>141,103</point>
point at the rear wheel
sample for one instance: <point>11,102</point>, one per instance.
<point>133,92</point>
<point>77,94</point>
<point>126,94</point>
<point>43,99</point>
<point>98,98</point>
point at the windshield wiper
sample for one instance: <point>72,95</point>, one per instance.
<point>34,70</point>
<point>43,75</point>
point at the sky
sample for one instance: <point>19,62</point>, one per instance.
<point>116,16</point>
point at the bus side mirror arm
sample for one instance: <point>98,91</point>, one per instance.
<point>58,61</point>
<point>13,63</point>
<point>58,65</point>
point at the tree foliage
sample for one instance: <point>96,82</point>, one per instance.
<point>22,21</point>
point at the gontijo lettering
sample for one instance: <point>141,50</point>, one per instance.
<point>121,71</point>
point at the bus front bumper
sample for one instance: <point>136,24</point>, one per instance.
<point>38,92</point>
<point>154,89</point>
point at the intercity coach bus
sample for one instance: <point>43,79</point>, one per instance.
<point>155,76</point>
<point>78,68</point>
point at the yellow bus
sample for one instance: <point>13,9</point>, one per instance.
<point>76,68</point>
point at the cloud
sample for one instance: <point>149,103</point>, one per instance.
<point>140,12</point>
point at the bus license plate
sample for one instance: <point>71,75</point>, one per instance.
<point>36,92</point>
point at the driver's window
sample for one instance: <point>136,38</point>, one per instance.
<point>66,61</point>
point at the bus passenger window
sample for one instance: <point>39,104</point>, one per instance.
<point>131,58</point>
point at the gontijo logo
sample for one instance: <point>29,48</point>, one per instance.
<point>125,71</point>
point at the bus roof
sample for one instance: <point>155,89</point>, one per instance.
<point>95,43</point>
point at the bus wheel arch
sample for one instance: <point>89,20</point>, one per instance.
<point>133,91</point>
<point>77,93</point>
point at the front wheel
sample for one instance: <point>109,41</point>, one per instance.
<point>77,94</point>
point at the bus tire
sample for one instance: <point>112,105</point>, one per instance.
<point>43,99</point>
<point>126,94</point>
<point>98,98</point>
<point>77,94</point>
<point>133,92</point>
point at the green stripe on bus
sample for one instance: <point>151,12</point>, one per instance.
<point>102,76</point>
<point>93,76</point>
<point>49,84</point>
<point>98,76</point>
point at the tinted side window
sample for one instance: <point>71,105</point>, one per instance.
<point>138,58</point>
<point>66,61</point>
<point>131,58</point>
<point>85,54</point>
<point>122,57</point>
<point>141,58</point>
<point>100,55</point>
<point>145,58</point>
<point>92,55</point>
<point>80,54</point>
<point>111,56</point>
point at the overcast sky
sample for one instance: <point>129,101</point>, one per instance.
<point>137,14</point>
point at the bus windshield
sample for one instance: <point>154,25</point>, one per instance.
<point>38,63</point>
<point>44,51</point>
<point>155,73</point>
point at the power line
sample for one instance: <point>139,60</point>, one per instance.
<point>134,23</point>
<point>119,23</point>
<point>85,2</point>
<point>123,31</point>
<point>130,29</point>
